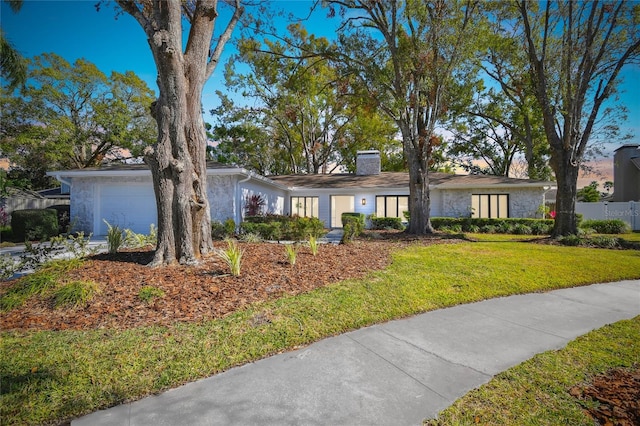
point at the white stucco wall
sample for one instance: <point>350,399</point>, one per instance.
<point>523,202</point>
<point>274,197</point>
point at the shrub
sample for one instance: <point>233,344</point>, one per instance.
<point>608,226</point>
<point>278,227</point>
<point>348,232</point>
<point>149,292</point>
<point>250,237</point>
<point>386,223</point>
<point>521,229</point>
<point>223,230</point>
<point>359,219</point>
<point>75,293</point>
<point>232,256</point>
<point>488,229</point>
<point>115,237</point>
<point>254,204</point>
<point>34,224</point>
<point>604,241</point>
<point>570,240</point>
<point>540,228</point>
<point>63,211</point>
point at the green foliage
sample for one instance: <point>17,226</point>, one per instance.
<point>606,226</point>
<point>232,256</point>
<point>148,293</point>
<point>40,283</point>
<point>34,224</point>
<point>523,226</point>
<point>223,230</point>
<point>250,237</point>
<point>386,223</point>
<point>134,240</point>
<point>313,244</point>
<point>130,364</point>
<point>357,218</point>
<point>291,252</point>
<point>590,193</point>
<point>115,237</point>
<point>74,116</point>
<point>75,294</point>
<point>278,228</point>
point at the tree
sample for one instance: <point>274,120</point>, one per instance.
<point>13,67</point>
<point>409,56</point>
<point>74,116</point>
<point>576,51</point>
<point>178,158</point>
<point>483,133</point>
<point>590,193</point>
<point>302,103</point>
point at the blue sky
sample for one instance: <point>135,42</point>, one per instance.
<point>74,29</point>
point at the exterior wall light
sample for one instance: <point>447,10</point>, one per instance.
<point>364,201</point>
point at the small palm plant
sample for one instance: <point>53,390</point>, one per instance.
<point>232,256</point>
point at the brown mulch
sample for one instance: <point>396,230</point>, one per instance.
<point>205,291</point>
<point>617,393</point>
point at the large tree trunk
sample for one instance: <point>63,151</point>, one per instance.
<point>178,160</point>
<point>566,172</point>
<point>419,194</point>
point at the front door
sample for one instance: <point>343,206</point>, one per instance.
<point>340,204</point>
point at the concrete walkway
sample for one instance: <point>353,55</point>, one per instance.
<point>397,373</point>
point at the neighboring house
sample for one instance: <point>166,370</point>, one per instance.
<point>124,194</point>
<point>626,173</point>
<point>20,199</point>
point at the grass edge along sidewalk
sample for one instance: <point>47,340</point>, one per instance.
<point>537,391</point>
<point>49,377</point>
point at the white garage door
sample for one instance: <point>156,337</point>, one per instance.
<point>130,206</point>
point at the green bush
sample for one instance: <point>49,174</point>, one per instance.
<point>490,226</point>
<point>356,218</point>
<point>278,227</point>
<point>63,211</point>
<point>34,224</point>
<point>608,226</point>
<point>222,230</point>
<point>521,229</point>
<point>386,223</point>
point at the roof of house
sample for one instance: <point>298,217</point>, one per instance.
<point>400,180</point>
<point>327,181</point>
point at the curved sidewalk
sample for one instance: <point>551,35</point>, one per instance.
<point>396,373</point>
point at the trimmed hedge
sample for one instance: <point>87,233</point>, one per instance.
<point>381,223</point>
<point>34,224</point>
<point>500,226</point>
<point>278,227</point>
<point>606,226</point>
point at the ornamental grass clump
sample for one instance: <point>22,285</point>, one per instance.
<point>75,294</point>
<point>232,256</point>
<point>115,237</point>
<point>313,244</point>
<point>291,251</point>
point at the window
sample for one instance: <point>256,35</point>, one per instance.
<point>490,205</point>
<point>391,205</point>
<point>304,206</point>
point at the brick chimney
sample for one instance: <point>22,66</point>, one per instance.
<point>368,162</point>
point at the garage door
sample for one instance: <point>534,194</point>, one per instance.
<point>130,206</point>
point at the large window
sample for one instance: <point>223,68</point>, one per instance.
<point>391,205</point>
<point>490,205</point>
<point>304,206</point>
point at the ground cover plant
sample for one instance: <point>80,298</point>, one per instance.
<point>558,387</point>
<point>57,364</point>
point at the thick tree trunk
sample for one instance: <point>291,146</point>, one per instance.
<point>419,194</point>
<point>566,172</point>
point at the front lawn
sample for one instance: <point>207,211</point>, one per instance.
<point>52,376</point>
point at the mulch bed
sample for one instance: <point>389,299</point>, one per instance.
<point>205,291</point>
<point>617,394</point>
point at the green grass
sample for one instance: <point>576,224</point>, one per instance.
<point>53,376</point>
<point>75,294</point>
<point>536,392</point>
<point>149,292</point>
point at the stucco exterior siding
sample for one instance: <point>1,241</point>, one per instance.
<point>523,202</point>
